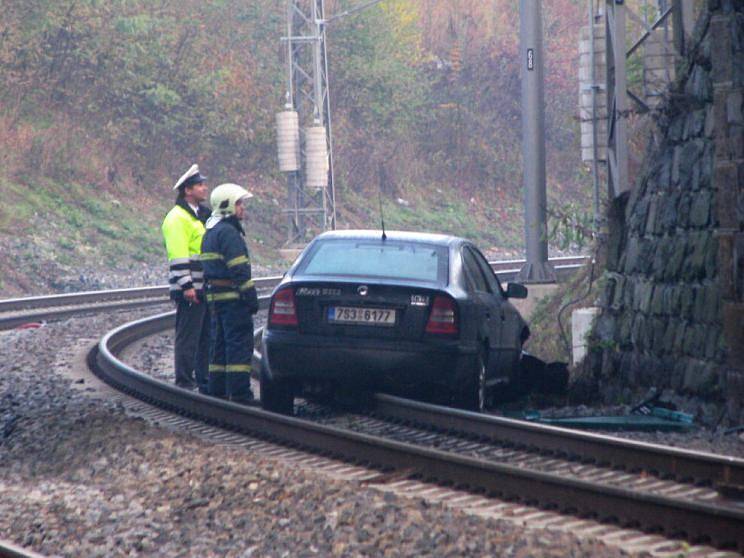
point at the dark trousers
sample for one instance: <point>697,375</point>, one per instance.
<point>230,350</point>
<point>192,344</point>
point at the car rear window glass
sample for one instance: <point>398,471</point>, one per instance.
<point>416,261</point>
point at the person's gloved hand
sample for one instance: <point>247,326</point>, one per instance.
<point>251,297</point>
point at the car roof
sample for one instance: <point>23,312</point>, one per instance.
<point>370,234</point>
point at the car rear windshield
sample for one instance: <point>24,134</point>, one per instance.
<point>388,259</point>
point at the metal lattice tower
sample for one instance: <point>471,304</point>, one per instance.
<point>616,87</point>
<point>309,210</point>
<point>656,38</point>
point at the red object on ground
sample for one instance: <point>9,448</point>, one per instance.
<point>30,325</point>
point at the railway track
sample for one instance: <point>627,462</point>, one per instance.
<point>10,550</point>
<point>655,488</point>
<point>507,270</point>
<point>19,311</point>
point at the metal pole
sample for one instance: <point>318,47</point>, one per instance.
<point>290,66</point>
<point>665,42</point>
<point>678,27</point>
<point>292,177</point>
<point>617,99</point>
<point>595,135</point>
<point>688,18</point>
<point>330,219</point>
<point>317,64</point>
<point>537,269</point>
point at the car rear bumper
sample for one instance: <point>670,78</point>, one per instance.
<point>367,363</point>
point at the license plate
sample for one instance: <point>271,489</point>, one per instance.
<point>366,316</point>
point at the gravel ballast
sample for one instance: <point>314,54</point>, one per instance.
<point>79,477</point>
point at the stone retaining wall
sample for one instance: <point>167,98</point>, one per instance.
<point>672,305</point>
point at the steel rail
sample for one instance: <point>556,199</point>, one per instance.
<point>719,471</point>
<point>56,313</point>
<point>683,465</point>
<point>50,301</point>
<point>568,263</point>
<point>563,261</point>
<point>91,297</point>
<point>18,311</point>
<point>562,272</point>
<point>721,525</point>
<point>10,550</point>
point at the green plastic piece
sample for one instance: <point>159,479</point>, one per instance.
<point>678,416</point>
<point>660,419</point>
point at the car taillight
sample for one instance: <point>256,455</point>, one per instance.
<point>283,312</point>
<point>443,317</point>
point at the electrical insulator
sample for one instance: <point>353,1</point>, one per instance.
<point>316,157</point>
<point>288,140</point>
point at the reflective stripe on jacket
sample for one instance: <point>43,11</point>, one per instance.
<point>182,233</point>
<point>226,262</point>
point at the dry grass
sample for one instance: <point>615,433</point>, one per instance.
<point>551,320</point>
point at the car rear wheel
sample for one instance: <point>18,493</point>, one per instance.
<point>276,396</point>
<point>323,394</point>
<point>473,396</point>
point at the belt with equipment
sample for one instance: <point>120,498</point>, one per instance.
<point>221,282</point>
<point>223,295</point>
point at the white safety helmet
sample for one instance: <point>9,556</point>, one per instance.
<point>225,196</point>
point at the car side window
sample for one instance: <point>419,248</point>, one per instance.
<point>473,272</point>
<point>493,282</point>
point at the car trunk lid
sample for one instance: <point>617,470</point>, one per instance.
<point>361,309</point>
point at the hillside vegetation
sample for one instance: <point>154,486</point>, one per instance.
<point>104,103</point>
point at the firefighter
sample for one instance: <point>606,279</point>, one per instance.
<point>231,295</point>
<point>183,229</point>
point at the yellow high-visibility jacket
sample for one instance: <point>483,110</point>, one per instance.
<point>182,232</point>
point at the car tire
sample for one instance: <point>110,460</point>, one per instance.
<point>276,396</point>
<point>473,397</point>
<point>322,396</point>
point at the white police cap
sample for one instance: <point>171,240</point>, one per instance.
<point>190,177</point>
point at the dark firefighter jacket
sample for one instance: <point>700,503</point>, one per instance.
<point>182,232</point>
<point>227,264</point>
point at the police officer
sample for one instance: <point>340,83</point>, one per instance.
<point>183,229</point>
<point>231,294</point>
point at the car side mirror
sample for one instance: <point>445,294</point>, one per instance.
<point>516,290</point>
